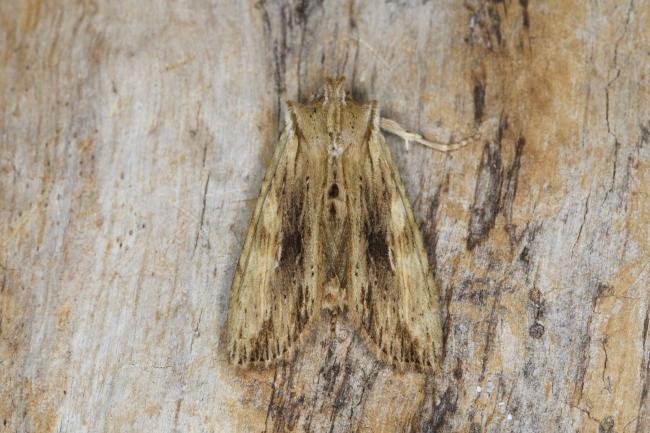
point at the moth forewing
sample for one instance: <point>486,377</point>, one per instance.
<point>333,230</point>
<point>273,291</point>
<point>393,299</point>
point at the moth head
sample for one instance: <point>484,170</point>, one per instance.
<point>333,90</point>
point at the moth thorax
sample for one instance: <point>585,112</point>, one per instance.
<point>333,296</point>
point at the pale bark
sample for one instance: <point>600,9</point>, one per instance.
<point>133,141</point>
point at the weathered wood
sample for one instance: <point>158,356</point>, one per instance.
<point>133,140</point>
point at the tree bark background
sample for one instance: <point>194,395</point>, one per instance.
<point>134,137</point>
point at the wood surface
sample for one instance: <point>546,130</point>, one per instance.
<point>134,136</point>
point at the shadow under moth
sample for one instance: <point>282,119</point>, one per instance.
<point>333,230</point>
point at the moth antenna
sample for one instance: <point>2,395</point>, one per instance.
<point>392,127</point>
<point>375,118</point>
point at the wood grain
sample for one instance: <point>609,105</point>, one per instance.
<point>133,141</point>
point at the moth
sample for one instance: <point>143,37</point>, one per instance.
<point>333,230</point>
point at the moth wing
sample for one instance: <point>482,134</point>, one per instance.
<point>273,293</point>
<point>393,297</point>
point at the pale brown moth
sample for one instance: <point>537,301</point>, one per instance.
<point>333,230</point>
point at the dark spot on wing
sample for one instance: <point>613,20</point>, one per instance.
<point>333,191</point>
<point>377,248</point>
<point>292,233</point>
<point>291,247</point>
